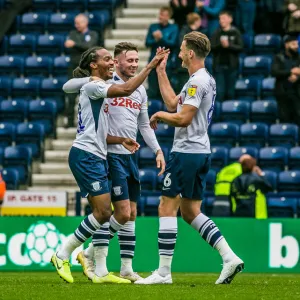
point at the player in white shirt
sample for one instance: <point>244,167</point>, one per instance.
<point>189,161</point>
<point>126,116</point>
<point>87,158</point>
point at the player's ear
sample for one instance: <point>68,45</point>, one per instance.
<point>115,61</point>
<point>93,65</point>
<point>191,53</point>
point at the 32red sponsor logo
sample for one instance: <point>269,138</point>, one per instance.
<point>126,102</point>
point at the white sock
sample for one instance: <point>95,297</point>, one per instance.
<point>114,226</point>
<point>68,247</point>
<point>89,251</point>
<point>167,236</point>
<point>100,254</point>
<point>225,251</point>
<point>126,266</point>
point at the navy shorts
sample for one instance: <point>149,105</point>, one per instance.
<point>90,172</point>
<point>185,175</point>
<point>124,176</point>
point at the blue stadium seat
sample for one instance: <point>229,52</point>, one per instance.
<point>264,111</point>
<point>268,86</point>
<point>43,112</point>
<point>286,135</point>
<point>216,113</point>
<point>294,158</point>
<point>271,177</point>
<point>207,204</point>
<point>52,87</point>
<point>50,44</point>
<point>236,152</point>
<point>151,205</point>
<point>289,181</point>
<point>267,43</point>
<point>61,22</point>
<point>281,207</point>
<point>21,44</point>
<point>273,158</point>
<point>248,41</point>
<point>248,87</point>
<point>254,134</point>
<point>224,134</point>
<point>11,178</point>
<point>98,19</point>
<point>38,65</point>
<point>219,158</point>
<point>10,64</point>
<point>101,4</point>
<point>45,5</point>
<point>154,106</point>
<point>25,86</point>
<point>5,86</point>
<point>13,111</point>
<point>257,65</point>
<point>32,136</point>
<point>59,101</point>
<point>146,157</point>
<point>148,179</point>
<point>33,22</point>
<point>211,180</point>
<point>165,133</point>
<point>70,5</point>
<point>7,134</point>
<point>19,158</point>
<point>235,112</point>
<point>60,65</point>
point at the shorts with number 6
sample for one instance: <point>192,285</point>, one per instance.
<point>185,175</point>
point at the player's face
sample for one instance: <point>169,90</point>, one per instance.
<point>184,55</point>
<point>127,63</point>
<point>104,65</point>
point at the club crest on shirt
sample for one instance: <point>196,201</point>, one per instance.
<point>117,190</point>
<point>192,90</point>
<point>96,186</point>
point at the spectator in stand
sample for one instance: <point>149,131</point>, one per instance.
<point>209,10</point>
<point>2,189</point>
<point>248,192</point>
<point>161,34</point>
<point>78,41</point>
<point>226,44</point>
<point>292,10</point>
<point>286,70</point>
<point>245,15</point>
<point>181,8</point>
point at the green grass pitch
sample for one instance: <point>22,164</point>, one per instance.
<point>44,286</point>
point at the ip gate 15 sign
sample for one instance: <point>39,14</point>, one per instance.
<point>30,203</point>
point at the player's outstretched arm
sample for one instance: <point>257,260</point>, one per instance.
<point>181,119</point>
<point>126,89</point>
<point>75,84</point>
<point>166,90</point>
<point>130,144</point>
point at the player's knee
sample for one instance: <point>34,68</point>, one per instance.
<point>167,208</point>
<point>122,212</point>
<point>189,215</point>
<point>133,214</point>
<point>102,214</point>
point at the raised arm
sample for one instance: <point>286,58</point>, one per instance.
<point>166,90</point>
<point>75,84</point>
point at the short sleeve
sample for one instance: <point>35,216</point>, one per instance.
<point>195,91</point>
<point>97,89</point>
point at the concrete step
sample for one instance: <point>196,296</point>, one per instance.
<point>140,12</point>
<point>62,144</point>
<point>54,168</point>
<point>66,133</point>
<point>135,23</point>
<point>110,43</point>
<point>129,34</point>
<point>53,179</point>
<point>147,3</point>
<point>56,156</point>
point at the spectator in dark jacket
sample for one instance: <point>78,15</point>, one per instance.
<point>248,192</point>
<point>226,43</point>
<point>292,11</point>
<point>181,8</point>
<point>77,42</point>
<point>161,34</point>
<point>209,10</point>
<point>286,70</point>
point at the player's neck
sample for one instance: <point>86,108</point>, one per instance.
<point>122,76</point>
<point>195,66</point>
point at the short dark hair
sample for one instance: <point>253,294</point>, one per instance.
<point>248,164</point>
<point>124,46</point>
<point>198,42</point>
<point>168,9</point>
<point>192,17</point>
<point>226,12</point>
<point>84,69</point>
